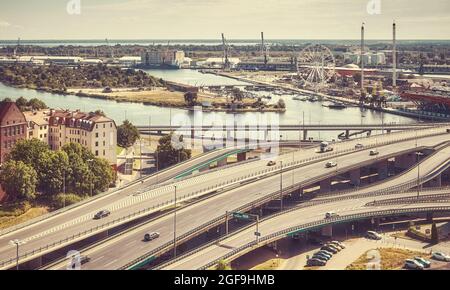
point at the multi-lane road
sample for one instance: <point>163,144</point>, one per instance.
<point>129,246</point>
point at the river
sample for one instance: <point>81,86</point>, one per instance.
<point>140,114</point>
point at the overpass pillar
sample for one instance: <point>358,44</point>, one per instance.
<point>429,216</point>
<point>382,169</point>
<point>305,135</point>
<point>327,231</point>
<point>298,193</point>
<point>347,134</point>
<point>222,162</point>
<point>355,177</point>
<point>437,181</point>
<point>242,156</point>
<point>388,131</point>
<point>325,185</point>
<point>192,137</point>
<point>405,161</point>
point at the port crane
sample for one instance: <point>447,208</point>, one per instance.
<point>226,52</point>
<point>264,49</point>
<point>110,49</point>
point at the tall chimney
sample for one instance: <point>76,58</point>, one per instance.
<point>394,56</point>
<point>362,58</point>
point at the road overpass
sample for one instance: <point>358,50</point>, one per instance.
<point>213,209</point>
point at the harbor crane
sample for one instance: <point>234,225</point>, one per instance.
<point>110,49</point>
<point>226,51</point>
<point>264,49</point>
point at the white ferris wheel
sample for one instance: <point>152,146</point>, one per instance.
<point>316,65</point>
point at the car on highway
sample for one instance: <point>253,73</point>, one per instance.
<point>425,263</point>
<point>331,164</point>
<point>441,256</point>
<point>413,264</point>
<point>151,236</point>
<point>331,214</point>
<point>315,262</point>
<point>374,152</point>
<point>102,214</point>
<point>84,259</point>
<point>329,249</point>
<point>271,163</point>
<point>359,146</point>
<point>373,235</point>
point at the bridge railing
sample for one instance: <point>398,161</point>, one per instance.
<point>321,223</point>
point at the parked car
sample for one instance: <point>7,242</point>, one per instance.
<point>151,236</point>
<point>315,262</point>
<point>331,214</point>
<point>413,264</point>
<point>373,152</point>
<point>359,146</point>
<point>373,235</point>
<point>102,214</point>
<point>337,248</point>
<point>425,263</point>
<point>321,256</point>
<point>342,245</point>
<point>329,249</point>
<point>325,253</point>
<point>441,256</point>
<point>331,164</point>
<point>271,163</point>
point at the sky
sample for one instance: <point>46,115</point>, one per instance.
<point>238,19</point>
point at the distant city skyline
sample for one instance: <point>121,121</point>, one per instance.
<point>206,19</point>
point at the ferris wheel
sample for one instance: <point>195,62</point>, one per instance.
<point>316,65</point>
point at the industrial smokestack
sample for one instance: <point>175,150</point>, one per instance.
<point>394,56</point>
<point>362,58</point>
<point>263,48</point>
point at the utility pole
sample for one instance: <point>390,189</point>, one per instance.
<point>394,56</point>
<point>362,58</point>
<point>281,185</point>
<point>17,243</point>
<point>64,187</point>
<point>175,225</point>
<point>226,223</point>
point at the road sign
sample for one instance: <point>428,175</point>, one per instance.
<point>241,216</point>
<point>258,234</point>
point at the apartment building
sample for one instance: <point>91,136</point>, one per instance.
<point>93,131</point>
<point>38,125</point>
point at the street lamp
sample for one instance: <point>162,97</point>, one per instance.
<point>92,176</point>
<point>17,243</point>
<point>281,185</point>
<point>418,154</point>
<point>175,225</point>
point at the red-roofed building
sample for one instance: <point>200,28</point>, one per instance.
<point>13,127</point>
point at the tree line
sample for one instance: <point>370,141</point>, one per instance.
<point>32,167</point>
<point>28,105</point>
<point>61,78</point>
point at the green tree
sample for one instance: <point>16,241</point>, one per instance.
<point>190,98</point>
<point>127,134</point>
<point>53,168</point>
<point>36,104</point>
<point>171,150</point>
<point>434,234</point>
<point>102,174</point>
<point>5,100</point>
<point>21,102</point>
<point>28,151</point>
<point>19,180</point>
<point>222,265</point>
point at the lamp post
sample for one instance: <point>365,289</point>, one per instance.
<point>64,187</point>
<point>92,177</point>
<point>17,243</point>
<point>418,154</point>
<point>281,185</point>
<point>175,225</point>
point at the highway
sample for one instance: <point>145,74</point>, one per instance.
<point>295,218</point>
<point>129,246</point>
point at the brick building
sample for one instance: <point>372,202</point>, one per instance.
<point>13,127</point>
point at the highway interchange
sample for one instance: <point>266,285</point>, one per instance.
<point>236,186</point>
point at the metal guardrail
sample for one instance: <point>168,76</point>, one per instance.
<point>321,223</point>
<point>209,189</point>
<point>271,196</point>
<point>67,208</point>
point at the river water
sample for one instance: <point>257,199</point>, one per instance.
<point>140,114</point>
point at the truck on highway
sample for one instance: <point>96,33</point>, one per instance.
<point>325,147</point>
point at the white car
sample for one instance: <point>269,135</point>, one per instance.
<point>441,257</point>
<point>373,152</point>
<point>331,164</point>
<point>359,146</point>
<point>373,235</point>
<point>412,264</point>
<point>337,243</point>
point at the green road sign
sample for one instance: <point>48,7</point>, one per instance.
<point>241,216</point>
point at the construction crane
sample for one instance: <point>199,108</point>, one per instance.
<point>226,51</point>
<point>264,49</point>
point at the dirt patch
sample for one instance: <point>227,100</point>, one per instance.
<point>389,258</point>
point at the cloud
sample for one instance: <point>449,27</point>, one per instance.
<point>5,24</point>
